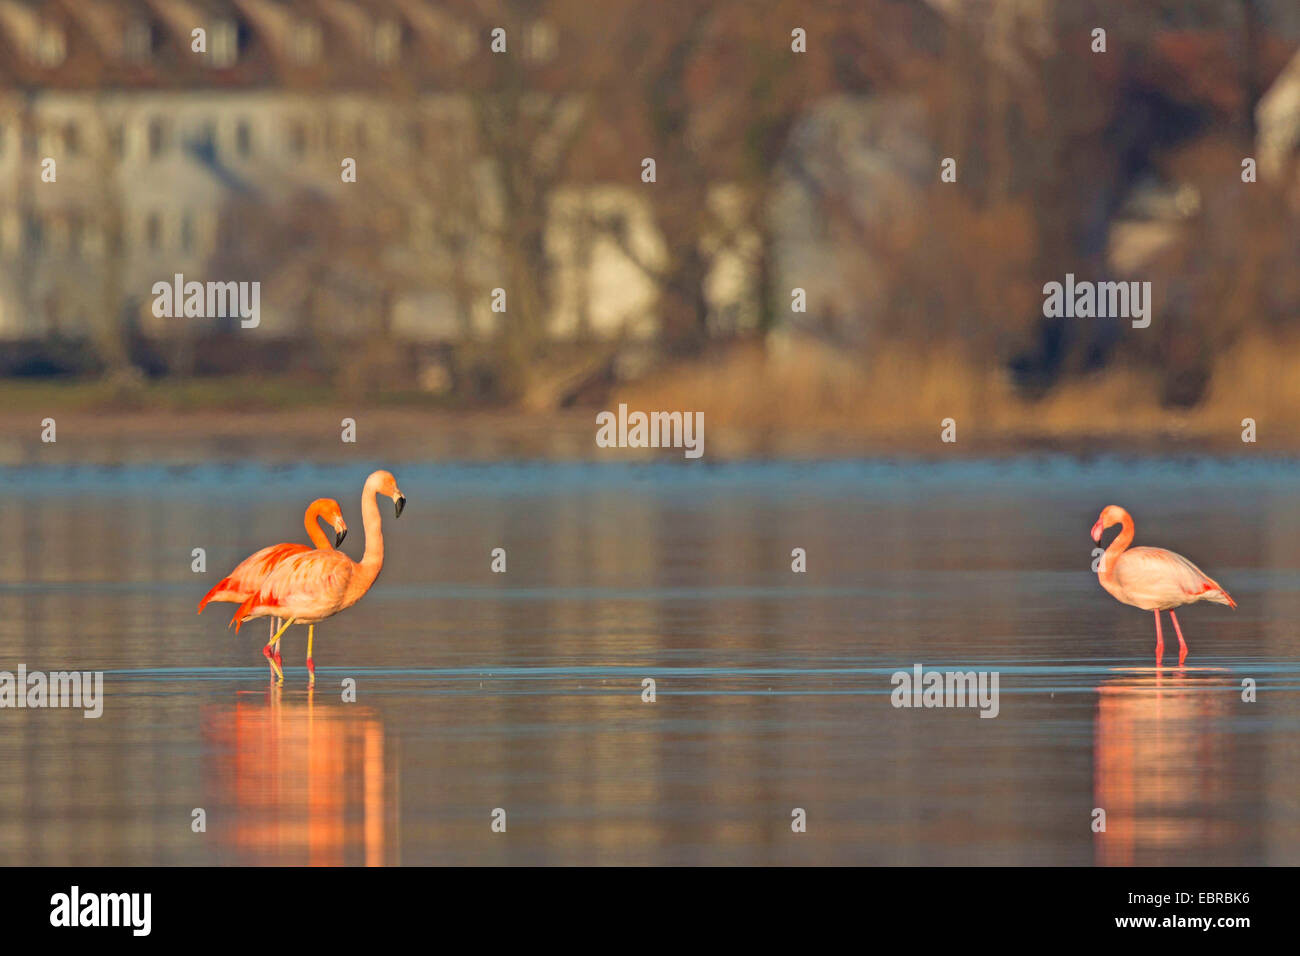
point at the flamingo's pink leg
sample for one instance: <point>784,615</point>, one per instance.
<point>276,650</point>
<point>275,654</point>
<point>270,645</point>
<point>1160,641</point>
<point>311,667</point>
<point>270,659</point>
<point>1182,644</point>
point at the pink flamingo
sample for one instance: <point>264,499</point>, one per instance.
<point>241,583</point>
<point>1152,578</point>
<point>308,588</point>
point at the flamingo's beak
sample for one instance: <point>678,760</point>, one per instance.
<point>398,504</point>
<point>339,536</point>
<point>1097,529</point>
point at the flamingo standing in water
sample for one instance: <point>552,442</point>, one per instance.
<point>242,583</point>
<point>308,588</point>
<point>1152,578</point>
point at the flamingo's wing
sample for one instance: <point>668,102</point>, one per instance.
<point>249,574</point>
<point>302,583</point>
<point>253,570</point>
<point>1156,578</point>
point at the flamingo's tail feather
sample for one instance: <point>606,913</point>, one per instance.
<point>1215,594</point>
<point>243,612</point>
<point>220,586</point>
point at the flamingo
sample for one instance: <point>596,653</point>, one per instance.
<point>308,588</point>
<point>241,583</point>
<point>1152,578</point>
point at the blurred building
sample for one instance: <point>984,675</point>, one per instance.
<point>226,165</point>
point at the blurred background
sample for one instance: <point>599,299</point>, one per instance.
<point>775,170</point>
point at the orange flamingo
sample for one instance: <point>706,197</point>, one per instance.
<point>308,588</point>
<point>1152,578</point>
<point>241,583</point>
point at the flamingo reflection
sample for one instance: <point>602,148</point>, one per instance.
<point>1161,763</point>
<point>304,782</point>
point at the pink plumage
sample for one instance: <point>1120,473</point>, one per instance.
<point>1155,579</point>
<point>1152,579</point>
<point>307,588</point>
<point>247,576</point>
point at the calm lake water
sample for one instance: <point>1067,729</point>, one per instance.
<point>523,691</point>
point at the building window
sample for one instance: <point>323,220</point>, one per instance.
<point>243,139</point>
<point>223,44</point>
<point>157,138</point>
<point>204,140</point>
<point>388,42</point>
<point>35,234</point>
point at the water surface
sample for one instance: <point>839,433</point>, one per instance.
<point>523,691</point>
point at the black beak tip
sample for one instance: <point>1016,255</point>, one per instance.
<point>338,538</point>
<point>398,504</point>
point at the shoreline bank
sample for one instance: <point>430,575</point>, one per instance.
<point>411,434</point>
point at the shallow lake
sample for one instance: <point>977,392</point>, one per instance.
<point>523,692</point>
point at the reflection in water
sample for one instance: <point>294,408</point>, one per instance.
<point>299,782</point>
<point>478,690</point>
<point>1162,757</point>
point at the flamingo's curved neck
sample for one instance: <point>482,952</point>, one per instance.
<point>1122,541</point>
<point>368,569</point>
<point>373,558</point>
<point>311,520</point>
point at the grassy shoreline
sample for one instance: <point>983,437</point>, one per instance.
<point>802,401</point>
